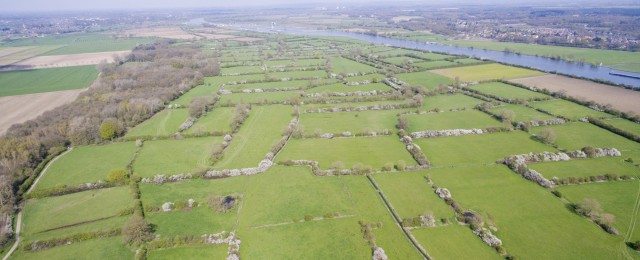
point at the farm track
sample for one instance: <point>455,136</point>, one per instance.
<point>632,225</point>
<point>396,218</point>
<point>19,217</point>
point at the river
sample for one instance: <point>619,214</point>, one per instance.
<point>537,62</point>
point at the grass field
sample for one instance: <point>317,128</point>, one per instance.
<point>617,198</point>
<point>46,80</point>
<point>80,43</point>
<point>502,90</point>
<point>191,252</point>
<point>345,88</point>
<point>453,242</point>
<point>86,164</point>
<point>174,156</point>
<point>467,119</point>
<point>262,129</point>
<point>575,136</point>
<point>434,64</point>
<point>568,109</point>
<point>103,248</point>
<point>370,77</point>
<point>295,192</point>
<point>425,79</point>
<point>199,91</point>
<point>355,122</point>
<point>401,60</point>
<point>241,70</point>
<point>217,120</point>
<point>487,72</point>
<point>478,149</point>
<point>164,123</point>
<point>420,200</point>
<point>351,104</point>
<point>531,222</point>
<point>256,98</point>
<point>343,65</point>
<point>586,168</point>
<point>523,114</point>
<point>448,102</point>
<point>373,151</point>
<point>74,208</point>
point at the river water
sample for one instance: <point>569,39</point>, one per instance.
<point>541,63</point>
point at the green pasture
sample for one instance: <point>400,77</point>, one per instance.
<point>164,123</point>
<point>217,120</point>
<point>449,102</point>
<point>420,200</point>
<point>46,80</point>
<point>74,209</point>
<point>507,91</point>
<point>85,164</point>
<point>453,242</point>
<point>372,151</point>
<point>522,113</point>
<point>355,122</point>
<point>466,119</point>
<point>586,168</point>
<point>487,72</point>
<point>568,109</point>
<point>531,222</point>
<point>259,133</point>
<point>482,149</point>
<point>170,157</point>
<point>425,79</point>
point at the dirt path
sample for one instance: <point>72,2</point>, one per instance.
<point>19,217</point>
<point>21,108</point>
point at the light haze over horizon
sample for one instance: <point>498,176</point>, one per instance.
<point>77,5</point>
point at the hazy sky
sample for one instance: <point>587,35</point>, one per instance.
<point>57,5</point>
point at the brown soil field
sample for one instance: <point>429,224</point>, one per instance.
<point>164,32</point>
<point>11,50</point>
<point>619,98</point>
<point>18,109</point>
<point>53,61</point>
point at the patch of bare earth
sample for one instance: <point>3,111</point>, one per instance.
<point>619,98</point>
<point>21,108</point>
<point>55,61</point>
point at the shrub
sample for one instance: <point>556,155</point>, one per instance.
<point>338,165</point>
<point>110,128</point>
<point>387,167</point>
<point>308,218</point>
<point>117,176</point>
<point>136,231</point>
<point>547,135</point>
<point>589,151</point>
<point>401,165</point>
